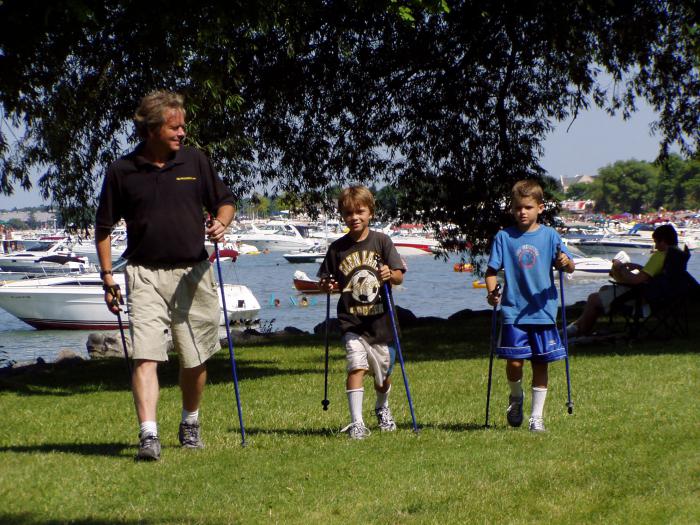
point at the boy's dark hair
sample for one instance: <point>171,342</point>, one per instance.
<point>528,188</point>
<point>150,114</point>
<point>353,196</point>
<point>667,234</point>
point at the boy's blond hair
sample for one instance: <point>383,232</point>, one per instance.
<point>354,196</point>
<point>527,188</point>
<point>150,114</point>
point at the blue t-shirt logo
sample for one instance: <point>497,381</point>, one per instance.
<point>527,256</point>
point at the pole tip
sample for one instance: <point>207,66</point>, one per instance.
<point>325,404</point>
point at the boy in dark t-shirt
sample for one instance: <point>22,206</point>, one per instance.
<point>360,262</point>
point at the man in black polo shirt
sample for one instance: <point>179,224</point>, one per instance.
<point>160,189</point>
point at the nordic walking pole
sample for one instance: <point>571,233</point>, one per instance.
<point>494,323</point>
<point>325,401</point>
<point>230,345</point>
<point>394,322</point>
<point>569,402</point>
<point>115,302</point>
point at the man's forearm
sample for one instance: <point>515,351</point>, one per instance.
<point>225,214</point>
<point>103,245</point>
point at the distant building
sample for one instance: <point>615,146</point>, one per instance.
<point>578,179</point>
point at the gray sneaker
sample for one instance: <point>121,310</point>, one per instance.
<point>356,430</point>
<point>537,424</point>
<point>149,448</point>
<point>385,419</point>
<point>189,435</point>
<point>514,414</point>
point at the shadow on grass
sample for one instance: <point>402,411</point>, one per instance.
<point>83,449</point>
<point>462,339</point>
<point>110,375</point>
<point>454,427</point>
<point>253,431</point>
<point>27,518</point>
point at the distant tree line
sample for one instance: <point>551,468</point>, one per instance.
<point>638,186</point>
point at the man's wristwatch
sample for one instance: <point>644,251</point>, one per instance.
<point>105,272</point>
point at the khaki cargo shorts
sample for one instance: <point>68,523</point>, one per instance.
<point>377,359</point>
<point>179,299</point>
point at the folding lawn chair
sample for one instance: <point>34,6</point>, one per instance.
<point>661,302</point>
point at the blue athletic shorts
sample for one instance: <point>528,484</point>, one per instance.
<point>536,342</point>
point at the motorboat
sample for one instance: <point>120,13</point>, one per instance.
<point>86,248</point>
<point>315,254</point>
<point>306,284</point>
<point>40,258</point>
<point>407,244</point>
<point>638,240</point>
<point>76,302</point>
<point>284,237</point>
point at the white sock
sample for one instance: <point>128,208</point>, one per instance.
<point>355,403</point>
<point>516,388</point>
<point>149,427</point>
<point>382,398</point>
<point>538,397</point>
<point>190,417</point>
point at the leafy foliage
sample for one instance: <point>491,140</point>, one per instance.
<point>638,186</point>
<point>447,101</point>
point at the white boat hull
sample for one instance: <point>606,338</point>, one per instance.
<point>415,245</point>
<point>76,303</point>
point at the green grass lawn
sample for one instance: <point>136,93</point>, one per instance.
<point>629,454</point>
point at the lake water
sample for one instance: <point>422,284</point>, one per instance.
<point>431,288</point>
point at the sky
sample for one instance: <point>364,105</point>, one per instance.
<point>593,141</point>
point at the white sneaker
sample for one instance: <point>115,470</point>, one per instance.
<point>385,419</point>
<point>537,424</point>
<point>357,430</point>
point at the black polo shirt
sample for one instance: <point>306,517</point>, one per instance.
<point>162,207</point>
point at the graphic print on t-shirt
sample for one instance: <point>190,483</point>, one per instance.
<point>362,277</point>
<point>527,256</point>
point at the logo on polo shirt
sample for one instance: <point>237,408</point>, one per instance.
<point>186,178</point>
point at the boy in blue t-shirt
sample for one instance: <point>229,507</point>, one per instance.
<point>529,303</point>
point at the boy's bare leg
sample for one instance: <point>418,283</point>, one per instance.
<point>385,386</point>
<point>354,380</point>
<point>539,375</point>
<point>514,370</point>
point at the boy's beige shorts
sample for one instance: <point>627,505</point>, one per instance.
<point>180,299</point>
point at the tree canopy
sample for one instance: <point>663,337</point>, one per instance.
<point>447,101</point>
<point>637,186</point>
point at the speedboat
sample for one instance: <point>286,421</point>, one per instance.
<point>86,248</point>
<point>412,239</point>
<point>590,268</point>
<point>415,244</point>
<point>76,302</point>
<point>315,254</point>
<point>57,258</point>
<point>279,237</point>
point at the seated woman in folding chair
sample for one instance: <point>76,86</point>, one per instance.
<point>665,237</point>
